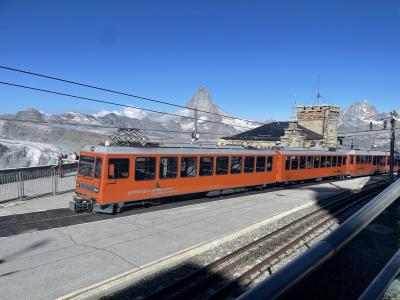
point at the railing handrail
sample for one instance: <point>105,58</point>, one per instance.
<point>383,280</point>
<point>284,279</point>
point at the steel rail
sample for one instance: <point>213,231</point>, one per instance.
<point>282,281</point>
<point>175,289</point>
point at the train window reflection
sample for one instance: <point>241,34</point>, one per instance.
<point>249,164</point>
<point>86,166</point>
<point>309,163</point>
<point>206,166</point>
<point>222,165</point>
<point>188,166</point>
<point>303,161</point>
<point>260,164</point>
<point>269,164</point>
<point>236,164</point>
<point>168,167</point>
<point>97,167</point>
<point>295,162</point>
<point>121,168</point>
<point>145,168</point>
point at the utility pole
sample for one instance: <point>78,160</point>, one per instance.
<point>195,133</point>
<point>392,143</point>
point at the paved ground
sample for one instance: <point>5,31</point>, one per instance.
<point>50,263</point>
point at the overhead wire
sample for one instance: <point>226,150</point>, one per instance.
<point>112,103</point>
<point>122,93</point>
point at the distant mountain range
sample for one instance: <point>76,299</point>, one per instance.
<point>30,144</point>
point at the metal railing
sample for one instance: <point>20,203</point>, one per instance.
<point>382,281</point>
<point>284,279</point>
<point>25,185</point>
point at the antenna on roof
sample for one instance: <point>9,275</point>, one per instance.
<point>293,117</point>
<point>318,96</point>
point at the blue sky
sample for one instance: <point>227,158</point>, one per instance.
<point>253,56</point>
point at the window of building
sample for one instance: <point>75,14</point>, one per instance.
<point>309,163</point>
<point>249,164</point>
<point>317,161</point>
<point>287,162</point>
<point>168,167</point>
<point>269,164</point>
<point>222,165</point>
<point>236,164</point>
<point>206,166</point>
<point>260,163</point>
<point>97,167</point>
<point>295,162</point>
<point>303,161</point>
<point>323,161</point>
<point>145,168</point>
<point>188,166</point>
<point>334,161</point>
<point>118,168</point>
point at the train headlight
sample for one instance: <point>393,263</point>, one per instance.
<point>77,184</point>
<point>95,189</point>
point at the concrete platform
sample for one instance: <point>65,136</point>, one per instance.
<point>50,263</point>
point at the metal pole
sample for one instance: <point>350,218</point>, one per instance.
<point>392,141</point>
<point>54,182</point>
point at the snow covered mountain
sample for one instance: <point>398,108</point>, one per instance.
<point>29,144</point>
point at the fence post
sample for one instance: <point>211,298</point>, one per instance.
<point>54,173</point>
<point>20,187</point>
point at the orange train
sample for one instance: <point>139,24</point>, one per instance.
<point>110,177</point>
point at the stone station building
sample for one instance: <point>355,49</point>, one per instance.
<point>315,127</point>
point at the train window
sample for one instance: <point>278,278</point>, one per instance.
<point>145,168</point>
<point>249,164</point>
<point>168,167</point>
<point>287,162</point>
<point>97,167</point>
<point>323,161</point>
<point>260,163</point>
<point>86,164</point>
<point>188,166</point>
<point>269,164</point>
<point>295,162</point>
<point>120,167</point>
<point>206,166</point>
<point>344,160</point>
<point>339,161</point>
<point>303,161</point>
<point>329,161</point>
<point>351,160</point>
<point>309,163</point>
<point>334,161</point>
<point>317,160</point>
<point>222,165</point>
<point>357,159</point>
<point>370,159</point>
<point>236,164</point>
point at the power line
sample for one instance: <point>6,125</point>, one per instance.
<point>101,126</point>
<point>111,103</point>
<point>121,93</point>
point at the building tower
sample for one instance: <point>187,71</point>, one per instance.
<point>322,119</point>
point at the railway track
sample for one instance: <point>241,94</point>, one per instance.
<point>228,275</point>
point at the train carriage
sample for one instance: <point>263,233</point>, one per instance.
<point>363,162</point>
<point>110,176</point>
<point>301,164</point>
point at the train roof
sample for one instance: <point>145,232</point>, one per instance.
<point>196,149</point>
<point>174,150</point>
